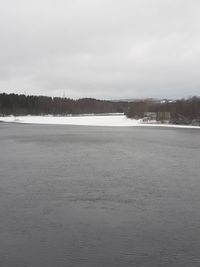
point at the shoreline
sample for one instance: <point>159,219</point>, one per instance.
<point>112,120</point>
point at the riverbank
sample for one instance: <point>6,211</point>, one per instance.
<point>89,120</point>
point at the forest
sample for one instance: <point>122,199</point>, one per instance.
<point>14,104</point>
<point>181,111</point>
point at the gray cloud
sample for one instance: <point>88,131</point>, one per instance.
<point>100,48</point>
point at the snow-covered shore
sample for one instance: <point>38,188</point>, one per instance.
<point>91,120</point>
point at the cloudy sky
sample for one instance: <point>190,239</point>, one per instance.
<point>108,49</point>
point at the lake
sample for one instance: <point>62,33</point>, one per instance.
<point>99,196</point>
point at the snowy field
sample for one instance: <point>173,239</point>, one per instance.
<point>87,120</point>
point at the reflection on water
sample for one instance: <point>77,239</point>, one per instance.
<point>95,196</point>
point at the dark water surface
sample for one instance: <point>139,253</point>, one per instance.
<point>99,196</point>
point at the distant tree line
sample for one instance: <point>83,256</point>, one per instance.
<point>14,104</point>
<point>183,111</point>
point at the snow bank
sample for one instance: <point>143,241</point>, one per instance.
<point>114,120</point>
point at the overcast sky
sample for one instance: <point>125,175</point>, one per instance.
<point>109,49</point>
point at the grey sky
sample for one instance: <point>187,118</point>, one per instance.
<point>100,48</point>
